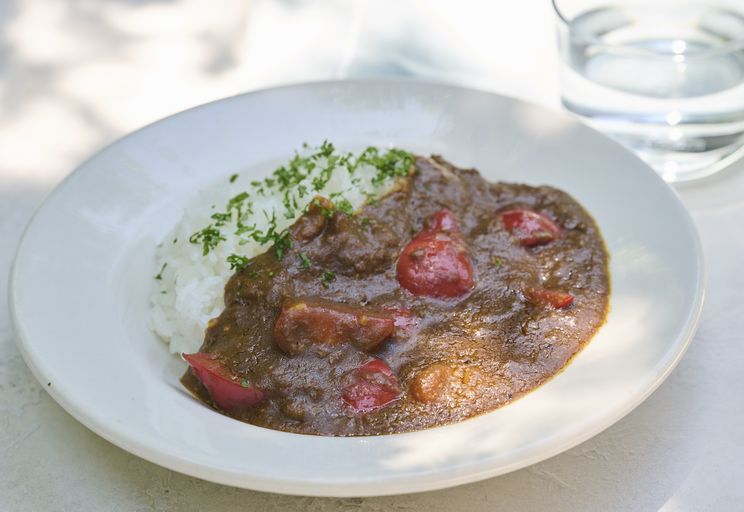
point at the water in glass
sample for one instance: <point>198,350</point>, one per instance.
<point>668,83</point>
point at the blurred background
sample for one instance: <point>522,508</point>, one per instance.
<point>77,74</point>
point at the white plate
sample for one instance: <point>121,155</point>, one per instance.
<point>79,289</point>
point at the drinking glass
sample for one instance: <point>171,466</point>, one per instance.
<point>664,78</point>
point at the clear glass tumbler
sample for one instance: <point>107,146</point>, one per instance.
<point>665,78</point>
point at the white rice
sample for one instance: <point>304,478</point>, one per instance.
<point>190,289</point>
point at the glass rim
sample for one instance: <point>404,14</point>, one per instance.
<point>728,47</point>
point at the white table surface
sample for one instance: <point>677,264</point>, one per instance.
<point>76,75</point>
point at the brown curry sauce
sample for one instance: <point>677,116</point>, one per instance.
<point>328,341</point>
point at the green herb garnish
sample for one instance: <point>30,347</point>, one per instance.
<point>394,163</point>
<point>159,276</point>
<point>324,211</point>
<point>328,278</point>
<point>209,237</point>
<point>238,262</point>
<point>236,202</point>
<point>221,218</point>
<point>282,243</point>
<point>496,262</point>
<point>344,206</point>
<point>293,182</point>
<point>306,263</point>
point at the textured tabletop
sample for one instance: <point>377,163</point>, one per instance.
<point>76,75</point>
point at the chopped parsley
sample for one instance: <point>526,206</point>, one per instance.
<point>496,262</point>
<point>237,262</point>
<point>391,164</point>
<point>344,206</point>
<point>221,218</point>
<point>306,263</point>
<point>245,383</point>
<point>159,276</point>
<point>208,237</point>
<point>324,210</point>
<point>295,183</point>
<point>328,278</point>
<point>282,244</point>
<point>237,201</point>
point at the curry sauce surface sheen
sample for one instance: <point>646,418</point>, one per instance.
<point>488,346</point>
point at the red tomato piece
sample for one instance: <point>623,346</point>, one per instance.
<point>530,227</point>
<point>303,323</point>
<point>552,298</point>
<point>436,265</point>
<point>227,391</point>
<point>371,386</point>
<point>437,262</point>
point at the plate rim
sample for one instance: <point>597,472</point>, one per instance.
<point>419,482</point>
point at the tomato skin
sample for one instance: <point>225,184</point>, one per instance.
<point>403,318</point>
<point>437,263</point>
<point>226,391</point>
<point>551,298</point>
<point>303,323</point>
<point>443,220</point>
<point>529,227</point>
<point>371,386</point>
